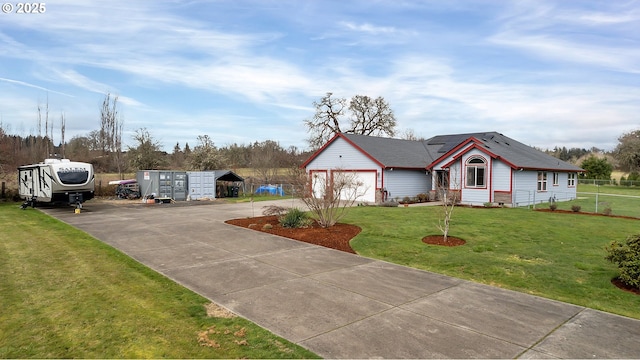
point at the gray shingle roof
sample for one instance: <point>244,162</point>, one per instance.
<point>420,154</point>
<point>393,152</point>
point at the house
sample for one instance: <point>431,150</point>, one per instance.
<point>478,167</point>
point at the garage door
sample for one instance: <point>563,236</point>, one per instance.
<point>367,188</point>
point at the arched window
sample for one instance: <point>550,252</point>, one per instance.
<point>476,171</point>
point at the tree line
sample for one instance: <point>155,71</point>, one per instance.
<point>361,114</point>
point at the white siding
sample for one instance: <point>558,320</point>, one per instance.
<point>562,192</point>
<point>501,176</point>
<point>401,183</point>
<point>341,155</point>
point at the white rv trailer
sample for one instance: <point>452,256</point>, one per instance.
<point>56,181</point>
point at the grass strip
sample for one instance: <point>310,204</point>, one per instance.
<point>67,295</point>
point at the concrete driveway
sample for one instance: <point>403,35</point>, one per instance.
<point>341,305</point>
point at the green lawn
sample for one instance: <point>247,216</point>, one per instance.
<point>553,255</point>
<point>622,200</point>
<point>64,294</point>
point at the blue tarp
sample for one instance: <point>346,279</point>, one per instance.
<point>270,189</point>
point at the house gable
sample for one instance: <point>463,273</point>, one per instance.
<point>420,164</point>
<point>337,138</point>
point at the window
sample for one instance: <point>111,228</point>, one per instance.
<point>556,179</point>
<point>476,168</point>
<point>542,181</point>
<point>572,180</point>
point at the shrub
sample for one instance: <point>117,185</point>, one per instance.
<point>576,208</point>
<point>422,197</point>
<point>553,206</point>
<point>295,218</point>
<point>627,257</point>
<point>391,203</point>
<point>488,204</point>
<point>406,200</point>
<point>267,227</point>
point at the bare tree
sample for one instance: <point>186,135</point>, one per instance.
<point>42,143</point>
<point>371,116</point>
<point>265,159</point>
<point>147,155</point>
<point>367,116</point>
<point>110,135</point>
<point>329,197</point>
<point>63,125</point>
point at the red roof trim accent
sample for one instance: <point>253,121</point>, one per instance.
<point>458,147</point>
<point>362,151</point>
<point>350,143</point>
<point>477,145</point>
<point>315,154</point>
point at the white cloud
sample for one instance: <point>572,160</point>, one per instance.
<point>368,28</point>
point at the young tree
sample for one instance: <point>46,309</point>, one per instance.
<point>367,116</point>
<point>450,196</point>
<point>329,197</point>
<point>147,154</point>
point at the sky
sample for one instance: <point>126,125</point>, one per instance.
<point>546,73</point>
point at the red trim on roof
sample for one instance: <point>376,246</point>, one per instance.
<point>478,146</point>
<point>315,154</point>
<point>446,155</point>
<point>304,165</point>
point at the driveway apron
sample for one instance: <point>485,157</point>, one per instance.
<point>341,305</point>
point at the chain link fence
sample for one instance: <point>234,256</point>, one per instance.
<point>608,197</point>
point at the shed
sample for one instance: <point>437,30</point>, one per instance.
<point>213,184</point>
<point>163,184</point>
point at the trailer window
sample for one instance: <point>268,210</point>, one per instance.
<point>73,177</point>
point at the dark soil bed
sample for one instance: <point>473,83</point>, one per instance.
<point>439,240</point>
<point>336,237</point>
<point>625,287</point>
<point>587,213</point>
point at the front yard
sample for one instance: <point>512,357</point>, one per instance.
<point>553,255</point>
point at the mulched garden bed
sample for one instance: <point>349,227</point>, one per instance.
<point>336,237</point>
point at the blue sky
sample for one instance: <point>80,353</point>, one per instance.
<point>543,72</point>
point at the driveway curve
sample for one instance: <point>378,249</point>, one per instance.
<point>341,305</point>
